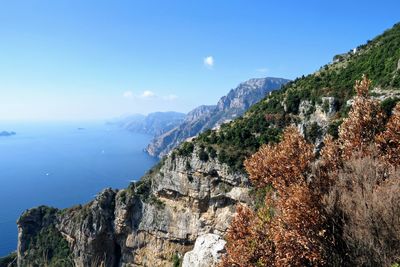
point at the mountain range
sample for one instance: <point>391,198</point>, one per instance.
<point>154,124</point>
<point>202,118</point>
<point>179,213</point>
<point>172,128</point>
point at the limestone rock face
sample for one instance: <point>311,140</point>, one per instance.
<point>318,114</point>
<point>207,251</point>
<point>89,230</point>
<point>202,118</point>
<point>152,221</point>
<point>29,226</point>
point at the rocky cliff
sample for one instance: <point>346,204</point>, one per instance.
<point>151,223</point>
<point>229,107</point>
<point>179,212</point>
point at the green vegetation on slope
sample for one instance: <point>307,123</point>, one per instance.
<point>264,121</point>
<point>49,248</point>
<point>9,260</point>
<point>45,246</point>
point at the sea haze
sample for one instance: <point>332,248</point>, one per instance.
<point>63,164</point>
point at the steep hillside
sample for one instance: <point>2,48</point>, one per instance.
<point>316,102</point>
<point>148,224</point>
<point>187,202</point>
<point>229,107</point>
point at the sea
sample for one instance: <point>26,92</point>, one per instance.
<point>61,164</point>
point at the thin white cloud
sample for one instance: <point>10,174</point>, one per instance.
<point>170,97</point>
<point>147,94</point>
<point>127,94</point>
<point>209,61</point>
<point>262,70</point>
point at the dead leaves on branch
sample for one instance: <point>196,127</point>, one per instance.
<point>365,120</point>
<point>291,235</point>
<point>388,141</point>
<point>294,228</point>
<point>283,164</point>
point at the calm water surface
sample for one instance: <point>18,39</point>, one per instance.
<point>63,164</point>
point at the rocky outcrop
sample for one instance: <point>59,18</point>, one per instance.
<point>182,207</point>
<point>155,221</point>
<point>90,231</point>
<point>320,114</point>
<point>193,124</point>
<point>30,224</point>
<point>150,222</point>
<point>207,251</point>
<point>229,107</point>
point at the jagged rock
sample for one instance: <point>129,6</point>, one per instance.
<point>320,114</point>
<point>207,251</point>
<point>179,203</point>
<point>29,225</point>
<point>192,125</point>
<point>146,225</point>
<point>229,107</point>
<point>90,231</point>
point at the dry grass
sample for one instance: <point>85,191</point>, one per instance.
<point>365,205</point>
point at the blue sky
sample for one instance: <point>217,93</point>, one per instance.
<point>73,59</point>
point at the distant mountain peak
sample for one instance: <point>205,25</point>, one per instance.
<point>155,123</point>
<point>204,117</point>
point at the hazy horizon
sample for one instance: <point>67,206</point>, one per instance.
<point>91,60</point>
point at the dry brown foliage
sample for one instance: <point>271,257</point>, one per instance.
<point>248,240</point>
<point>364,205</point>
<point>288,231</point>
<point>357,174</point>
<point>364,122</point>
<point>298,231</point>
<point>281,164</point>
<point>388,141</point>
<point>351,207</point>
<point>359,133</point>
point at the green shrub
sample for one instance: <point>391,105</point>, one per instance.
<point>186,149</point>
<point>155,201</point>
<point>293,102</point>
<point>176,260</point>
<point>49,248</point>
<point>123,196</point>
<point>173,155</point>
<point>333,128</point>
<point>325,106</point>
<point>9,260</point>
<point>212,152</point>
<point>388,104</point>
<point>203,156</point>
<point>188,166</point>
<point>313,132</point>
<point>141,189</point>
<point>258,195</point>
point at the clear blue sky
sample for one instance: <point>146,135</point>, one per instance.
<point>74,59</point>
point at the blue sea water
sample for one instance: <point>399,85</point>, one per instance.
<point>63,164</point>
